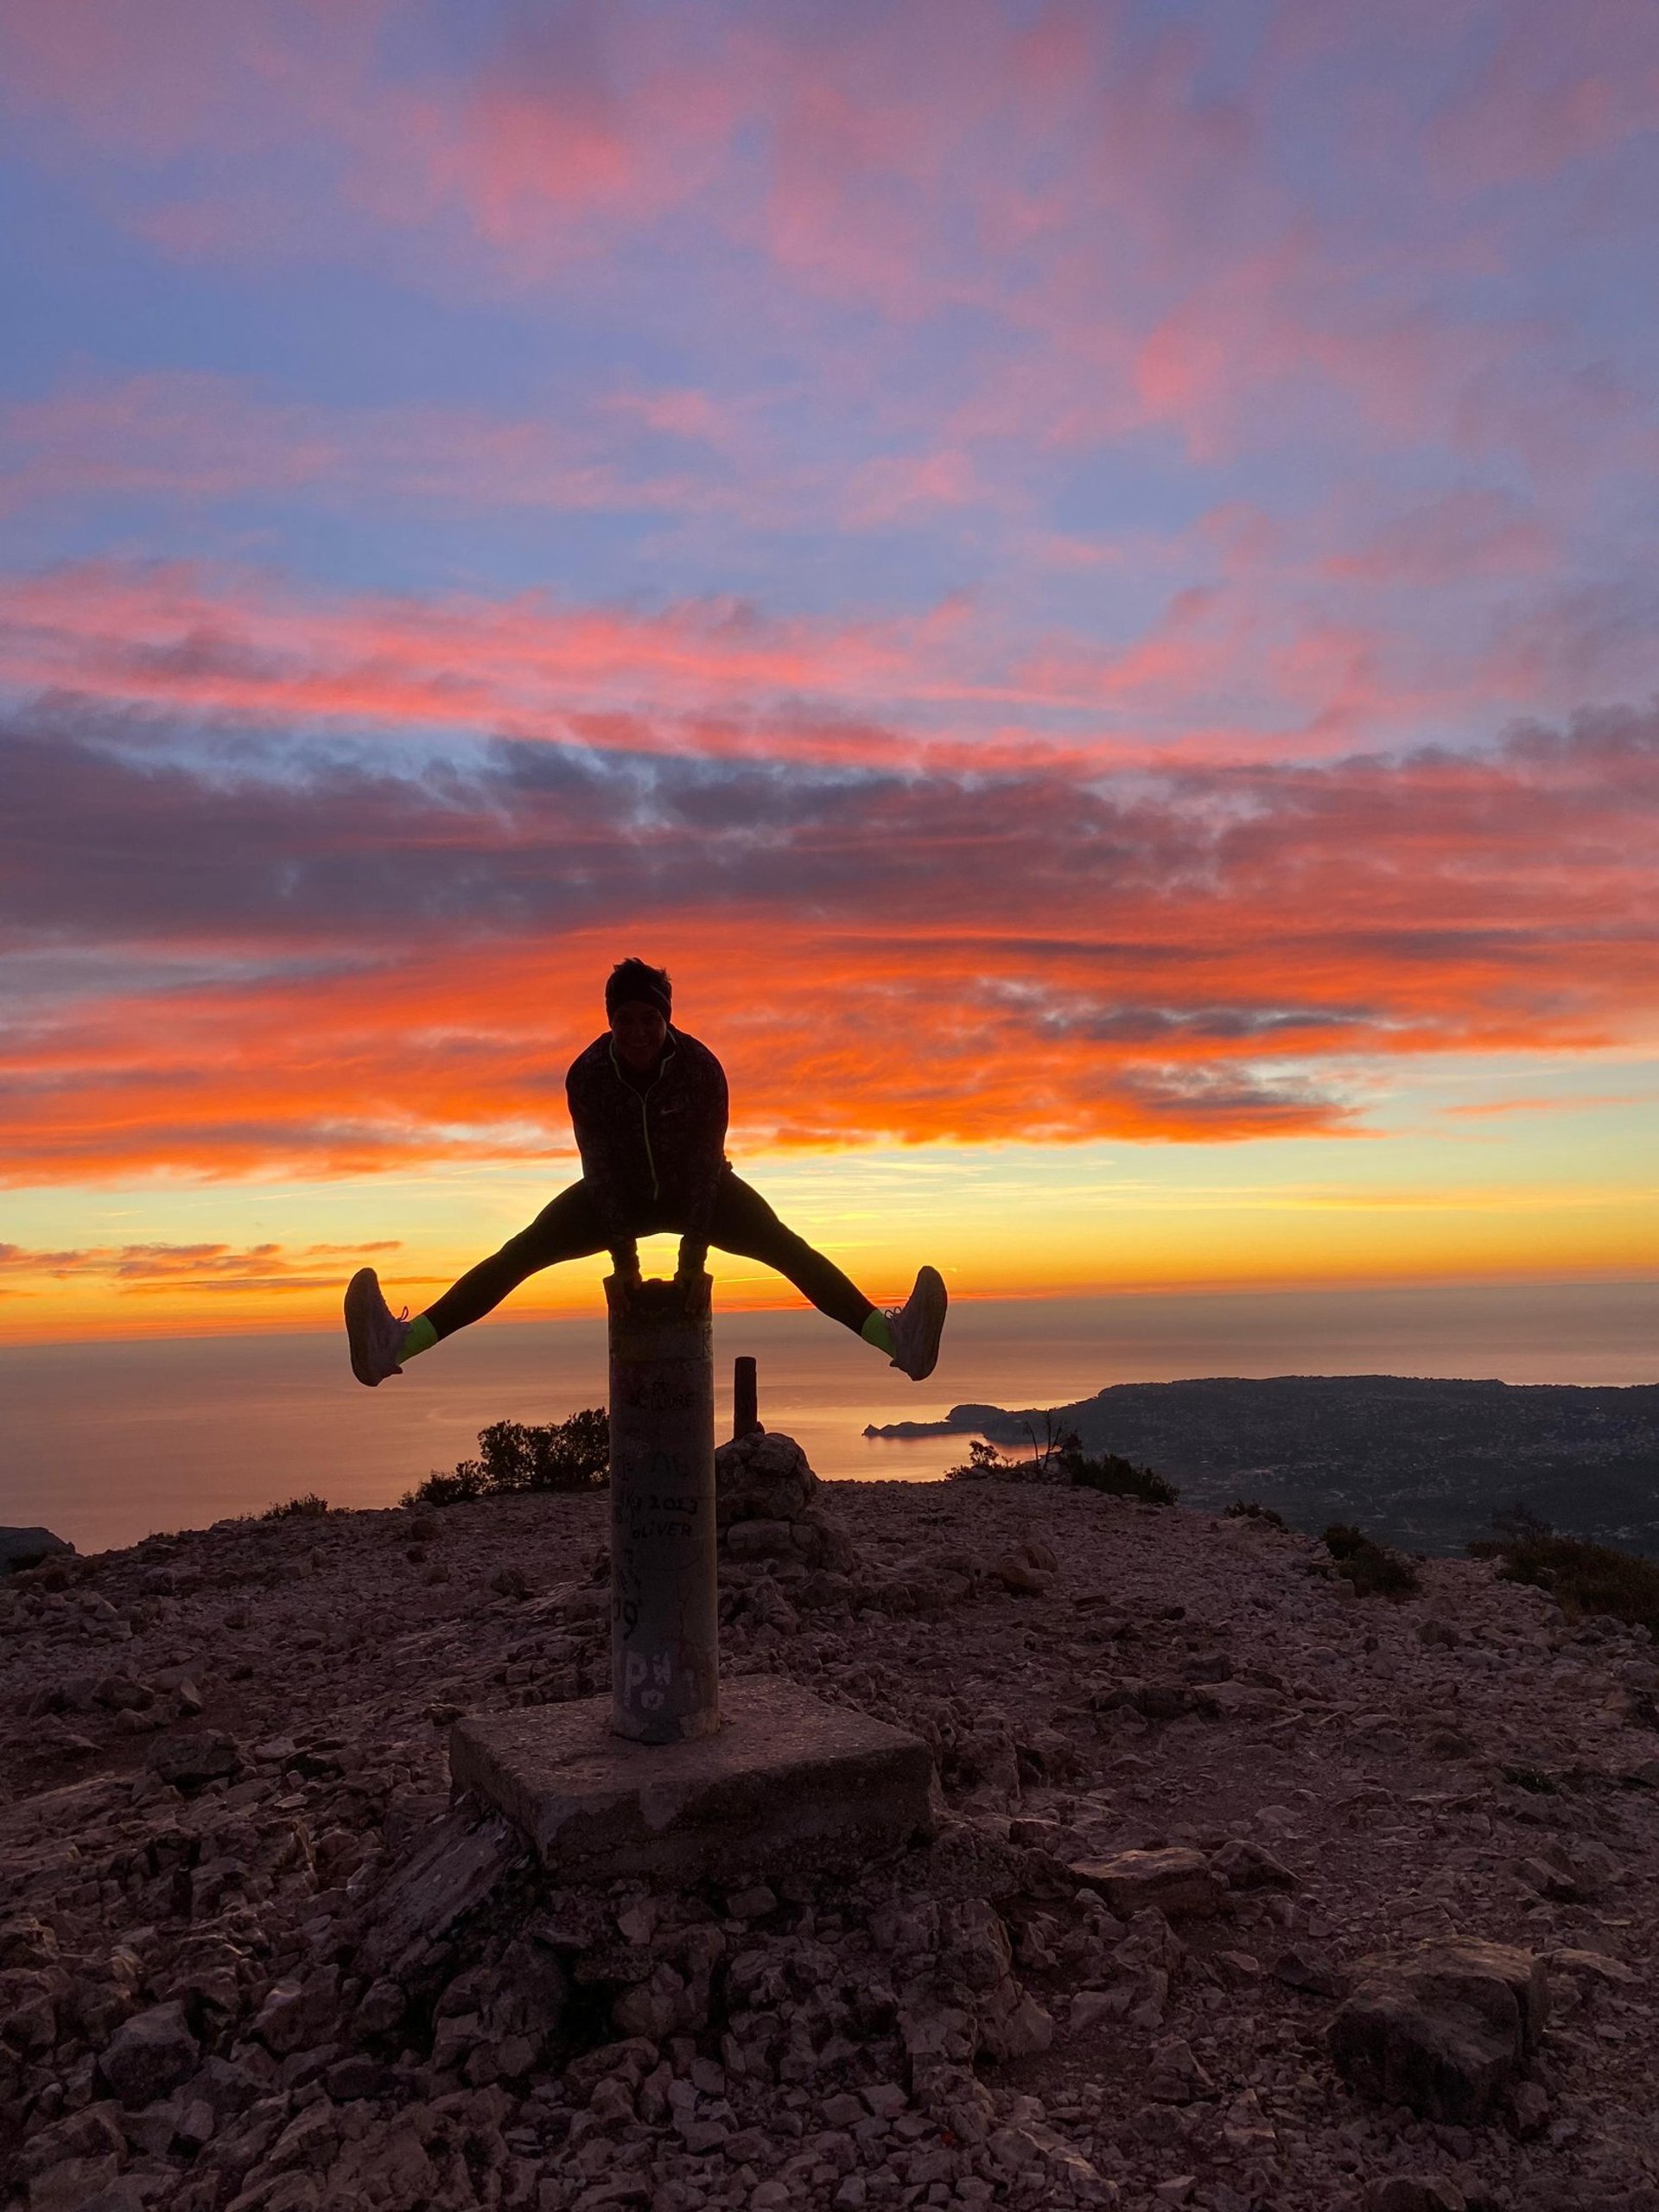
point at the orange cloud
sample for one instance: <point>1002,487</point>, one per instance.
<point>401,962</point>
<point>170,1268</point>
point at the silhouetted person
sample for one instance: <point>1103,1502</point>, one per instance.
<point>649,1107</point>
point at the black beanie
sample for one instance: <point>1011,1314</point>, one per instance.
<point>633,980</point>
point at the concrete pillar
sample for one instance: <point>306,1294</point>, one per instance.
<point>746,1397</point>
<point>664,1591</point>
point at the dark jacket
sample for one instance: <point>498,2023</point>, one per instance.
<point>651,1153</point>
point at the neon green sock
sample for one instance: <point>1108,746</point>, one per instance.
<point>878,1330</point>
<point>419,1336</point>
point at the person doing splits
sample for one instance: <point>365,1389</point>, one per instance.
<point>648,1104</point>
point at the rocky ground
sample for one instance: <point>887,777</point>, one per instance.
<point>225,1751</point>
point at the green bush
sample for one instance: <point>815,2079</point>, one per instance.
<point>461,1483</point>
<point>985,1462</point>
<point>311,1506</point>
<point>1374,1570</point>
<point>1581,1577</point>
<point>1251,1508</point>
<point>562,1455</point>
<point>1118,1479</point>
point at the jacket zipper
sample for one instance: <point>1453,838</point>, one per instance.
<point>644,1096</point>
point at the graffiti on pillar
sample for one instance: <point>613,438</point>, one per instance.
<point>659,1504</point>
<point>647,1390</point>
<point>648,1677</point>
<point>665,1608</point>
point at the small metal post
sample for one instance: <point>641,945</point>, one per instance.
<point>745,1398</point>
<point>664,1591</point>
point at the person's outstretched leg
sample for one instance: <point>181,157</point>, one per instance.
<point>381,1341</point>
<point>744,1224</point>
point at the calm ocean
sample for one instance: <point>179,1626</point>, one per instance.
<point>107,1442</point>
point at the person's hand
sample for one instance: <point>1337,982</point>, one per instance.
<point>629,1282</point>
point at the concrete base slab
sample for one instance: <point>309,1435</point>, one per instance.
<point>788,1783</point>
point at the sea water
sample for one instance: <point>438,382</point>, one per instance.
<point>107,1442</point>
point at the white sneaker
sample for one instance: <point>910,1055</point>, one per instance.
<point>373,1331</point>
<point>917,1325</point>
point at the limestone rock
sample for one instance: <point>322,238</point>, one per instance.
<point>1592,1966</point>
<point>1443,2029</point>
<point>1177,1882</point>
<point>1013,2025</point>
<point>1226,1701</point>
<point>1246,1865</point>
<point>761,1540</point>
<point>1300,1966</point>
<point>73,2184</point>
<point>150,2054</point>
<point>1177,2076</point>
<point>956,2098</point>
<point>1414,2193</point>
<point>189,1756</point>
<point>457,1863</point>
<point>974,1946</point>
<point>1090,2006</point>
<point>94,2132</point>
<point>1019,1575</point>
<point>1528,2109</point>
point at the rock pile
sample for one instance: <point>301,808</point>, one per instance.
<point>1250,1894</point>
<point>769,1508</point>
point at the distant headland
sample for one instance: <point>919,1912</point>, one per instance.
<point>1419,1462</point>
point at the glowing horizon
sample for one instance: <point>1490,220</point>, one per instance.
<point>1082,576</point>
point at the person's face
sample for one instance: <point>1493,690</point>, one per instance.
<point>639,1030</point>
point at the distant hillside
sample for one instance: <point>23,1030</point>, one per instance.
<point>1424,1464</point>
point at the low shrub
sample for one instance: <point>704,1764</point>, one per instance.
<point>1582,1578</point>
<point>984,1463</point>
<point>460,1484</point>
<point>309,1506</point>
<point>560,1455</point>
<point>1517,1523</point>
<point>1374,1570</point>
<point>1120,1479</point>
<point>1251,1508</point>
<point>1060,1459</point>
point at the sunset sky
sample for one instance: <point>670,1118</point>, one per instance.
<point>1083,574</point>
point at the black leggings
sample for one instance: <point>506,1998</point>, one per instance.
<point>569,1229</point>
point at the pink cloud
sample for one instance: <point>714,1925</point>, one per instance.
<point>1557,85</point>
<point>890,488</point>
<point>1254,660</point>
<point>1127,230</point>
<point>1452,538</point>
<point>198,436</point>
<point>192,74</point>
<point>576,124</point>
